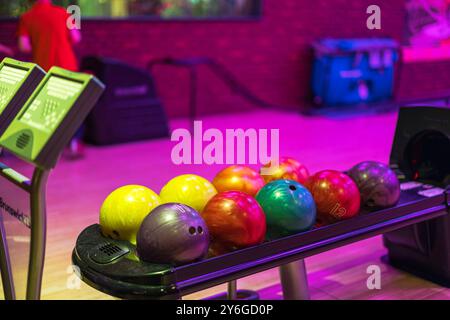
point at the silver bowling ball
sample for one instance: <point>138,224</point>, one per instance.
<point>377,183</point>
<point>173,233</point>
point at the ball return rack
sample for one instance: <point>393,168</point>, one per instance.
<point>420,154</point>
<point>39,115</point>
<point>112,266</point>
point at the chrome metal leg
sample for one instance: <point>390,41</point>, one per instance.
<point>38,234</point>
<point>232,290</point>
<point>5,265</point>
<point>294,281</point>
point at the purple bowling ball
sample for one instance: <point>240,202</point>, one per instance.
<point>173,233</point>
<point>377,183</point>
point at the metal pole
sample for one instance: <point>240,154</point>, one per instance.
<point>38,233</point>
<point>232,290</point>
<point>294,281</point>
<point>5,264</point>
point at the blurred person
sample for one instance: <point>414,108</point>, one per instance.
<point>43,32</point>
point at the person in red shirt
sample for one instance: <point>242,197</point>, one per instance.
<point>43,32</point>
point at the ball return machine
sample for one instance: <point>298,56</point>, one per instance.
<point>39,115</point>
<point>419,222</point>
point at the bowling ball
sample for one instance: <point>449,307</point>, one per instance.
<point>173,233</point>
<point>289,208</point>
<point>124,209</point>
<point>377,183</point>
<point>188,189</point>
<point>239,178</point>
<point>288,169</point>
<point>336,195</point>
<point>235,220</point>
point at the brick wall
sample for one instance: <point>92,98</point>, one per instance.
<point>272,55</point>
<point>420,80</point>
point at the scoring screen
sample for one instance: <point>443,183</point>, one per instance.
<point>52,103</point>
<point>10,78</point>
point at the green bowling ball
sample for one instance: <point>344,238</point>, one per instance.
<point>289,208</point>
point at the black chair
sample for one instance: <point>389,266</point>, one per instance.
<point>129,110</point>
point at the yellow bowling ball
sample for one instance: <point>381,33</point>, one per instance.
<point>124,209</point>
<point>188,189</point>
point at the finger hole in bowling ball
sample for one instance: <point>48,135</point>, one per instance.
<point>192,230</point>
<point>116,233</point>
<point>292,187</point>
<point>200,230</point>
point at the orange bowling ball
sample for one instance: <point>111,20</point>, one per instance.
<point>239,178</point>
<point>289,169</point>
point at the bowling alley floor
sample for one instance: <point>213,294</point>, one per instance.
<point>77,188</point>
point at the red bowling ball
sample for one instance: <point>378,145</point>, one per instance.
<point>235,220</point>
<point>336,195</point>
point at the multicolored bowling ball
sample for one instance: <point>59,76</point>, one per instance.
<point>239,178</point>
<point>124,209</point>
<point>289,208</point>
<point>336,195</point>
<point>235,220</point>
<point>288,169</point>
<point>188,189</point>
<point>377,183</point>
<point>173,233</point>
